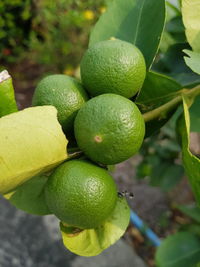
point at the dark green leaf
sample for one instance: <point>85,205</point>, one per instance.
<point>133,21</point>
<point>156,91</point>
<point>191,211</point>
<point>176,29</point>
<point>7,98</point>
<point>172,61</point>
<point>186,79</point>
<point>179,250</point>
<point>191,163</point>
<point>30,198</point>
<point>166,176</point>
<point>195,116</point>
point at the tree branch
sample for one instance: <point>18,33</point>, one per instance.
<point>162,111</point>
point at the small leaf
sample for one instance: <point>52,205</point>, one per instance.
<point>30,198</point>
<point>193,60</point>
<point>156,91</point>
<point>31,142</point>
<point>133,21</point>
<point>191,20</point>
<point>166,176</point>
<point>91,242</point>
<point>179,250</point>
<point>191,211</point>
<point>7,99</point>
<point>191,163</point>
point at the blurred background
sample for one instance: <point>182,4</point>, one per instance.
<point>41,37</point>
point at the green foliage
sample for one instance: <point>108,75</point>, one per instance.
<point>91,242</point>
<point>191,211</point>
<point>54,32</point>
<point>15,26</point>
<point>7,99</point>
<point>160,153</point>
<point>129,20</point>
<point>59,40</point>
<point>190,11</point>
<point>191,162</point>
<point>170,59</point>
<point>30,198</point>
<point>193,60</point>
<point>157,90</point>
<point>179,250</point>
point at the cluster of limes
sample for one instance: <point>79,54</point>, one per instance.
<point>108,128</point>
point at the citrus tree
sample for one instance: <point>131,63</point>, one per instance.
<point>127,47</point>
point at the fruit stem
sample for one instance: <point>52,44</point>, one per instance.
<point>161,112</point>
<point>74,155</point>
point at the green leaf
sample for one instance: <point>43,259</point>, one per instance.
<point>157,90</point>
<point>191,20</point>
<point>7,99</point>
<point>166,176</point>
<point>195,116</point>
<point>179,250</point>
<point>193,60</point>
<point>191,163</point>
<point>133,21</point>
<point>191,211</point>
<point>31,142</point>
<point>91,242</point>
<point>30,198</point>
<point>176,29</point>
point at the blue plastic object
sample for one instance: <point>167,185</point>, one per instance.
<point>144,229</point>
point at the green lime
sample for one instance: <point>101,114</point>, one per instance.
<point>109,129</point>
<point>63,92</point>
<point>81,194</point>
<point>113,66</point>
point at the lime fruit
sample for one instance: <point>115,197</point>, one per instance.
<point>81,194</point>
<point>113,66</point>
<point>109,129</point>
<point>63,92</point>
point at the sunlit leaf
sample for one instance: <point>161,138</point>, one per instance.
<point>31,142</point>
<point>91,242</point>
<point>192,60</point>
<point>7,98</point>
<point>191,20</point>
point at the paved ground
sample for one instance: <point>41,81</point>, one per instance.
<point>30,241</point>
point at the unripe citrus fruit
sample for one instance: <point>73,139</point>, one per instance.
<point>113,66</point>
<point>81,194</point>
<point>63,92</point>
<point>109,129</point>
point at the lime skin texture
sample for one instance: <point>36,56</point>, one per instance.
<point>63,92</point>
<point>109,129</point>
<point>113,66</point>
<point>81,194</point>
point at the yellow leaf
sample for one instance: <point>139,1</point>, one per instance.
<point>31,142</point>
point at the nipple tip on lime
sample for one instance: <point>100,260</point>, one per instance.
<point>98,139</point>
